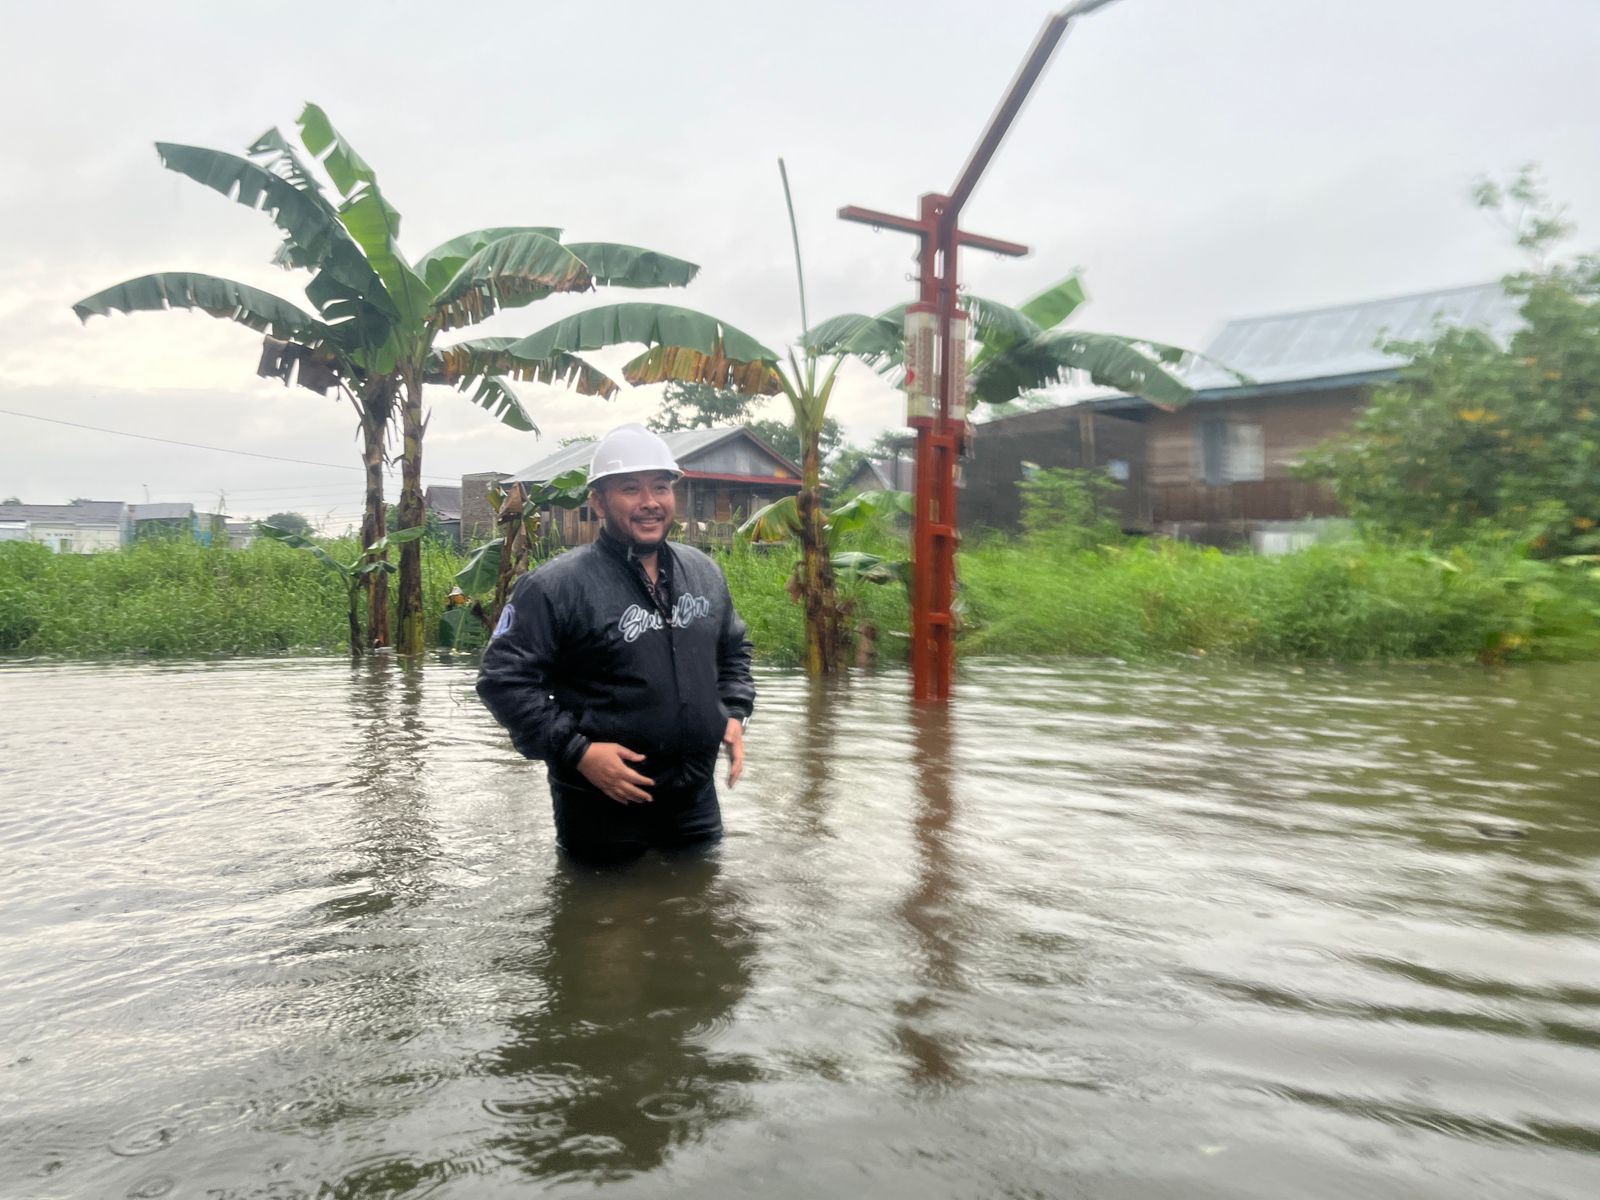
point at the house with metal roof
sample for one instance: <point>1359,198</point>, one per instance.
<point>176,520</point>
<point>728,473</point>
<point>1221,466</point>
<point>1220,469</point>
<point>444,502</point>
<point>83,527</point>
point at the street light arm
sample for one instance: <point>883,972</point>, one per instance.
<point>1084,7</point>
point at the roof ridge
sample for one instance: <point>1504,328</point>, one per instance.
<point>1333,308</point>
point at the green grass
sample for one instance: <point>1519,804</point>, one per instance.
<point>1346,602</point>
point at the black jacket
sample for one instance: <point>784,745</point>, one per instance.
<point>584,653</point>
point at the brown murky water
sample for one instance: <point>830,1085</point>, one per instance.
<point>293,929</point>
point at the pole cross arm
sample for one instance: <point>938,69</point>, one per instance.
<point>883,220</point>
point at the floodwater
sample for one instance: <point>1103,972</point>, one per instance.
<point>297,929</point>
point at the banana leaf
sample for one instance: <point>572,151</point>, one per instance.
<point>223,298</point>
<point>494,356</point>
<point>482,569</point>
<point>345,167</point>
<point>1053,356</point>
<point>315,238</point>
<point>615,265</point>
<point>683,345</point>
<point>508,273</point>
<point>857,566</point>
<point>495,396</point>
<point>460,629</point>
<point>871,339</point>
<point>1056,303</point>
<point>439,265</point>
<point>776,522</point>
<point>398,538</point>
<point>374,223</point>
<point>301,542</point>
<point>567,490</point>
<point>863,510</point>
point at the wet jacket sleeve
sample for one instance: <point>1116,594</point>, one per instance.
<point>735,686</point>
<point>514,680</point>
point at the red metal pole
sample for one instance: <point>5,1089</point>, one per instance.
<point>934,530</point>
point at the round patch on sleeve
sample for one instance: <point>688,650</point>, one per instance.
<point>508,616</point>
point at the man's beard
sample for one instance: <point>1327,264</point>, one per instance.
<point>637,548</point>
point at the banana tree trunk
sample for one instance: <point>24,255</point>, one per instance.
<point>409,514</point>
<point>375,519</point>
<point>818,592</point>
<point>355,617</point>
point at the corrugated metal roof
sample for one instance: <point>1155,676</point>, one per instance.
<point>567,458</point>
<point>86,512</point>
<point>161,512</point>
<point>1345,340</point>
<point>684,444</point>
<point>444,499</point>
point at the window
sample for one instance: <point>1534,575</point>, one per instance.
<point>1230,452</point>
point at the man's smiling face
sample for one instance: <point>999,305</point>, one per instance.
<point>637,508</point>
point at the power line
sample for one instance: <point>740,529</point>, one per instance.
<point>197,445</point>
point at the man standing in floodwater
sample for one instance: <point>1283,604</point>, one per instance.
<point>623,665</point>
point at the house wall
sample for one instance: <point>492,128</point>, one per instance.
<point>738,456</point>
<point>1243,489</point>
<point>1290,426</point>
<point>79,539</point>
<point>477,518</point>
<point>1057,437</point>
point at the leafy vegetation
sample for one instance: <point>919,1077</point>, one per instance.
<point>1040,594</point>
<point>1476,443</point>
<point>379,317</point>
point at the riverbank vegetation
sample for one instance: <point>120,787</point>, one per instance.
<point>1048,592</point>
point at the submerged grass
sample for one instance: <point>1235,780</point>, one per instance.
<point>1346,602</point>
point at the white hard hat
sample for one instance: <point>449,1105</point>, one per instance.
<point>628,449</point>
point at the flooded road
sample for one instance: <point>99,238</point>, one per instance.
<point>297,929</point>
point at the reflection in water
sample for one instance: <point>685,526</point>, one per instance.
<point>928,906</point>
<point>394,838</point>
<point>641,967</point>
<point>1192,930</point>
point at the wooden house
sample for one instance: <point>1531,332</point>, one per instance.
<point>728,473</point>
<point>1220,468</point>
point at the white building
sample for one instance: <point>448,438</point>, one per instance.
<point>85,527</point>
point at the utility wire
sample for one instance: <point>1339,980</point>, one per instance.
<point>197,445</point>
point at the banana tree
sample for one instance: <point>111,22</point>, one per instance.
<point>1022,349</point>
<point>496,564</point>
<point>368,563</point>
<point>380,316</point>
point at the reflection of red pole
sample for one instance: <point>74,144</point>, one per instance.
<point>940,423</point>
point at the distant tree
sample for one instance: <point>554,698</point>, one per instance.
<point>781,436</point>
<point>1476,440</point>
<point>290,522</point>
<point>700,406</point>
<point>11,500</point>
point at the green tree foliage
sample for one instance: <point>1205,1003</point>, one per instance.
<point>289,522</point>
<point>1475,440</point>
<point>1067,507</point>
<point>700,406</point>
<point>783,438</point>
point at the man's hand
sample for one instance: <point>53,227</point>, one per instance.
<point>733,739</point>
<point>605,764</point>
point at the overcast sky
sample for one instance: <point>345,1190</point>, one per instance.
<point>1198,159</point>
